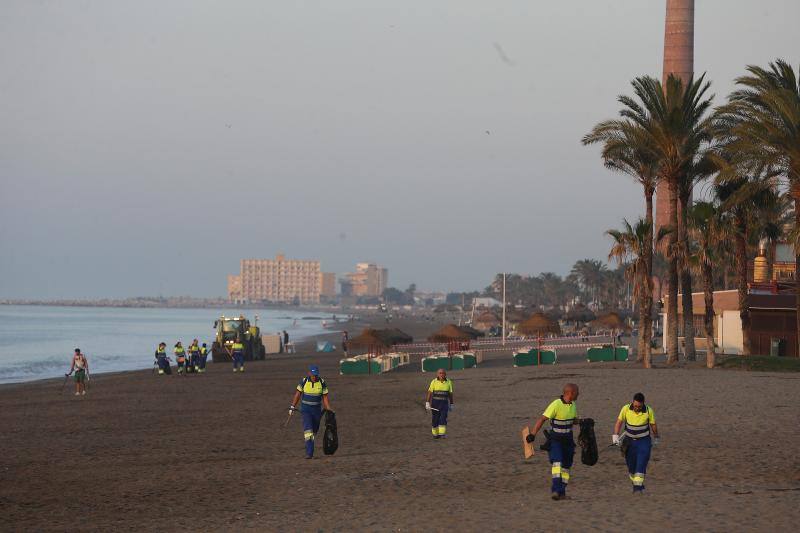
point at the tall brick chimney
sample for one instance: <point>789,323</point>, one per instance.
<point>678,60</point>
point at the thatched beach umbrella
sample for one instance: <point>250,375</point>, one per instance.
<point>610,321</point>
<point>396,336</point>
<point>451,332</point>
<point>539,324</point>
<point>380,339</point>
<point>456,337</point>
<point>486,321</point>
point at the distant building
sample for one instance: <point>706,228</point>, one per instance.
<point>234,288</point>
<point>278,280</point>
<point>773,323</point>
<point>369,279</point>
<point>486,302</point>
<point>327,284</point>
<point>772,303</point>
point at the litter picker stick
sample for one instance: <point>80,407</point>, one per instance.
<point>66,378</point>
<point>288,418</point>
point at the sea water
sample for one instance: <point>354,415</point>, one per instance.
<point>37,342</point>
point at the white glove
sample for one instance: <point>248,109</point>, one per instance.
<point>452,407</point>
<point>615,440</point>
<point>292,409</point>
<point>427,406</point>
<point>656,441</point>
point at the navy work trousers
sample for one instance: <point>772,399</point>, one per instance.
<point>637,457</point>
<point>561,454</point>
<point>311,419</point>
<point>439,417</point>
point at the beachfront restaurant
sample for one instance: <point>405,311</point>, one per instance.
<point>773,326</point>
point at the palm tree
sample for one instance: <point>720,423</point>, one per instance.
<point>673,125</point>
<point>705,165</point>
<point>626,150</point>
<point>704,230</point>
<point>630,247</point>
<point>761,125</point>
<point>588,273</point>
<point>743,201</point>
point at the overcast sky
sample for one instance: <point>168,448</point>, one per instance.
<point>146,147</point>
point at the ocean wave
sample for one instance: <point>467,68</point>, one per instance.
<point>17,371</point>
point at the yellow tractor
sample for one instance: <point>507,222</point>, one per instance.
<point>231,329</point>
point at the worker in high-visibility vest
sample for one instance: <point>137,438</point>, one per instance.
<point>237,354</point>
<point>641,434</point>
<point>194,357</point>
<point>562,414</point>
<point>439,401</point>
<point>203,358</point>
<point>161,358</point>
<point>312,394</point>
<point>180,357</point>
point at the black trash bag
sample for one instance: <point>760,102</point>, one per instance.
<point>624,445</point>
<point>588,442</point>
<point>545,446</point>
<point>330,439</point>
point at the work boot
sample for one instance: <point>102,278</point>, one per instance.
<point>555,496</point>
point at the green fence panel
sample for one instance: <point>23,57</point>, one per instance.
<point>358,366</point>
<point>530,358</point>
<point>434,363</point>
<point>598,354</point>
<point>470,361</point>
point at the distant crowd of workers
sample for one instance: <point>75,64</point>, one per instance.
<point>195,358</point>
<point>192,360</point>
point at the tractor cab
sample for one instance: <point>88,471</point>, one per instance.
<point>230,329</point>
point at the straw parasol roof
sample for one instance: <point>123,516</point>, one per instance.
<point>382,338</point>
<point>609,321</point>
<point>451,332</point>
<point>514,316</point>
<point>486,321</point>
<point>538,323</point>
<point>488,317</point>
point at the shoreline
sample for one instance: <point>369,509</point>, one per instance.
<point>305,346</point>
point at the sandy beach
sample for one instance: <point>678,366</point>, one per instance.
<point>208,452</point>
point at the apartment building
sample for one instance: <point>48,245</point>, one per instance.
<point>278,280</point>
<point>327,284</point>
<point>369,279</point>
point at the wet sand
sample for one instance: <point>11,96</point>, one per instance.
<point>208,452</point>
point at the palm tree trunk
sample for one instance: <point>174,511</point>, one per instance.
<point>796,196</point>
<point>741,271</point>
<point>647,302</point>
<point>672,279</point>
<point>686,280</point>
<point>708,320</point>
